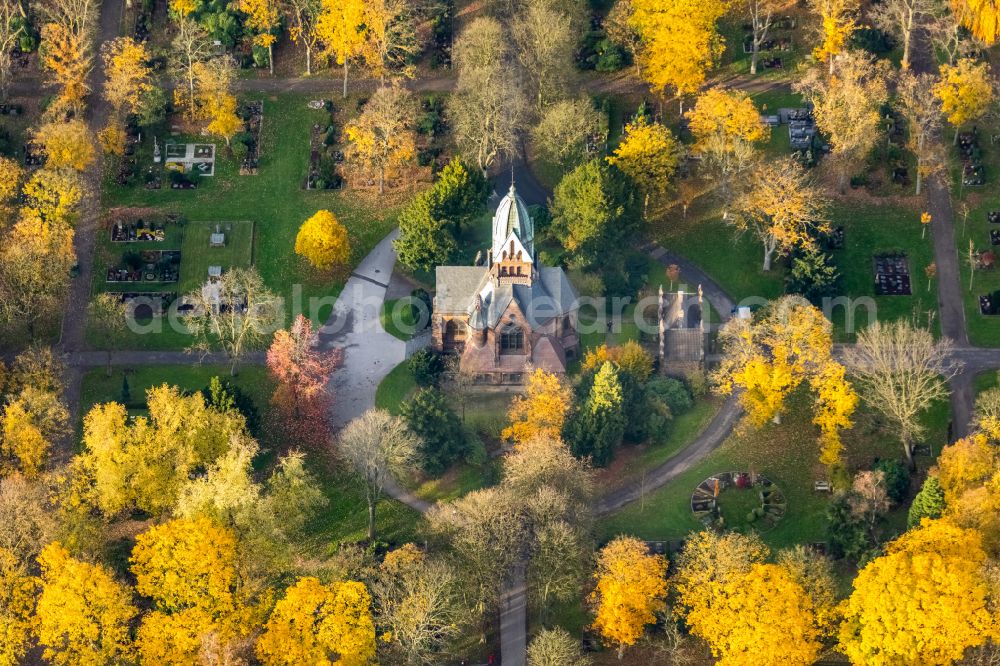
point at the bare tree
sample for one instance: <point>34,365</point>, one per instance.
<point>869,500</point>
<point>922,111</point>
<point>948,35</point>
<point>760,13</point>
<point>545,47</point>
<point>10,32</point>
<point>902,18</point>
<point>564,132</point>
<point>419,604</point>
<point>237,312</point>
<point>488,108</point>
<point>379,448</point>
<point>302,17</point>
<point>191,46</point>
<point>901,371</point>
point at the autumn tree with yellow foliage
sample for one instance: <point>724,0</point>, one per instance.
<point>390,39</point>
<point>965,90</point>
<point>11,174</point>
<point>29,424</point>
<point>924,602</point>
<point>782,207</point>
<point>128,78</point>
<point>631,589</point>
<point>649,155</point>
<point>323,241</point>
<point>67,144</point>
<point>726,124</point>
<point>770,356</point>
<point>847,106</point>
<point>314,622</point>
<point>65,56</point>
<point>630,357</point>
<point>838,21</point>
<point>188,567</point>
<point>36,257</point>
<point>83,614</point>
<point>382,139</point>
<point>969,475</point>
<point>981,17</point>
<point>17,602</point>
<point>342,32</point>
<point>144,462</point>
<point>763,617</point>
<point>679,41</point>
<point>542,410</point>
<point>263,17</point>
<point>52,196</point>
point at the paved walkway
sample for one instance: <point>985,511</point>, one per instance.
<point>370,353</point>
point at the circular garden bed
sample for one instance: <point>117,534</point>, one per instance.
<point>740,501</point>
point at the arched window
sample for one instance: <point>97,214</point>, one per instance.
<point>454,333</point>
<point>512,340</point>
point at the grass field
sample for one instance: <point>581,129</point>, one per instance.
<point>275,201</point>
<point>787,454</point>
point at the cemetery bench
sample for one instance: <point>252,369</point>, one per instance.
<point>822,486</point>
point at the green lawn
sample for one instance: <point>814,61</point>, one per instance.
<point>395,388</point>
<point>987,380</point>
<point>983,330</point>
<point>98,387</point>
<point>787,454</point>
<point>275,202</point>
<point>735,261</point>
<point>399,318</point>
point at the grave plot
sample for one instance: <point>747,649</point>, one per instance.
<point>989,304</point>
<point>994,236</point>
<point>892,275</point>
<point>190,158</point>
<point>34,154</point>
<point>973,174</point>
<point>740,501</point>
<point>801,127</point>
<point>993,217</point>
<point>252,114</point>
<point>146,266</point>
<point>325,155</point>
<point>834,240</point>
<point>144,305</point>
<point>139,225</point>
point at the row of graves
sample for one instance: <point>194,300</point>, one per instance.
<point>161,266</point>
<point>778,40</point>
<point>252,115</point>
<point>325,156</point>
<point>971,154</point>
<point>989,304</point>
<point>128,166</point>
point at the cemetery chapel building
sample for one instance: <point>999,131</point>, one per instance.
<point>508,314</point>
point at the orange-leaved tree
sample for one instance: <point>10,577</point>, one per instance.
<point>631,589</point>
<point>924,602</point>
<point>542,410</point>
<point>314,620</point>
<point>302,369</point>
<point>83,614</point>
